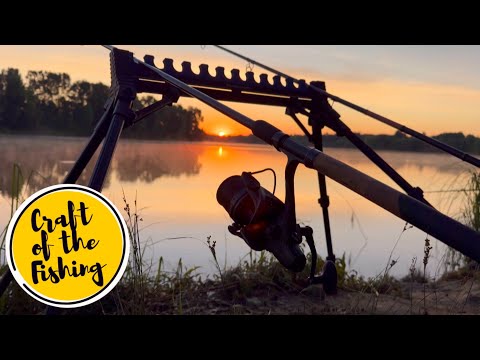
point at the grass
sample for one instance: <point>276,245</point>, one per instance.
<point>16,186</point>
<point>15,300</point>
<point>459,265</point>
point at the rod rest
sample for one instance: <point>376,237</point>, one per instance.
<point>220,80</point>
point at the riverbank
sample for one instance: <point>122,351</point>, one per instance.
<point>263,287</point>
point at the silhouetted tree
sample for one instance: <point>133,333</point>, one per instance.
<point>48,86</point>
<point>49,103</point>
<point>13,115</point>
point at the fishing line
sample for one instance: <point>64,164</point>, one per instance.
<point>449,191</point>
<point>258,201</point>
<point>444,147</point>
<point>274,177</point>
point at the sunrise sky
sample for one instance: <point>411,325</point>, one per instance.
<point>432,89</point>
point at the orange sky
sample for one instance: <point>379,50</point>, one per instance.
<point>430,89</point>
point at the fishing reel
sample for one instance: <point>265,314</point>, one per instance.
<point>264,222</point>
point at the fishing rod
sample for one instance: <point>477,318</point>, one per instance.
<point>438,144</point>
<point>440,226</point>
<point>262,220</point>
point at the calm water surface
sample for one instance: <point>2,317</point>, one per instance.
<point>175,185</point>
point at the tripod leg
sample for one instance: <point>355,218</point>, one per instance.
<point>5,280</point>
<point>324,203</point>
<point>329,272</point>
<point>324,200</point>
<point>92,146</point>
<point>121,114</point>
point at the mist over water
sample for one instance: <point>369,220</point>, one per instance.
<point>174,184</point>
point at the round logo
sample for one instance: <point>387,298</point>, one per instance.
<point>67,245</point>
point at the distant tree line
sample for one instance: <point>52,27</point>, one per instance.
<point>399,141</point>
<point>50,103</point>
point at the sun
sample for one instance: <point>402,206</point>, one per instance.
<point>221,133</point>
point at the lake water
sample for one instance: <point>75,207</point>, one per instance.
<point>175,185</point>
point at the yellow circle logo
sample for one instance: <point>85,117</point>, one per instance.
<point>67,245</point>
